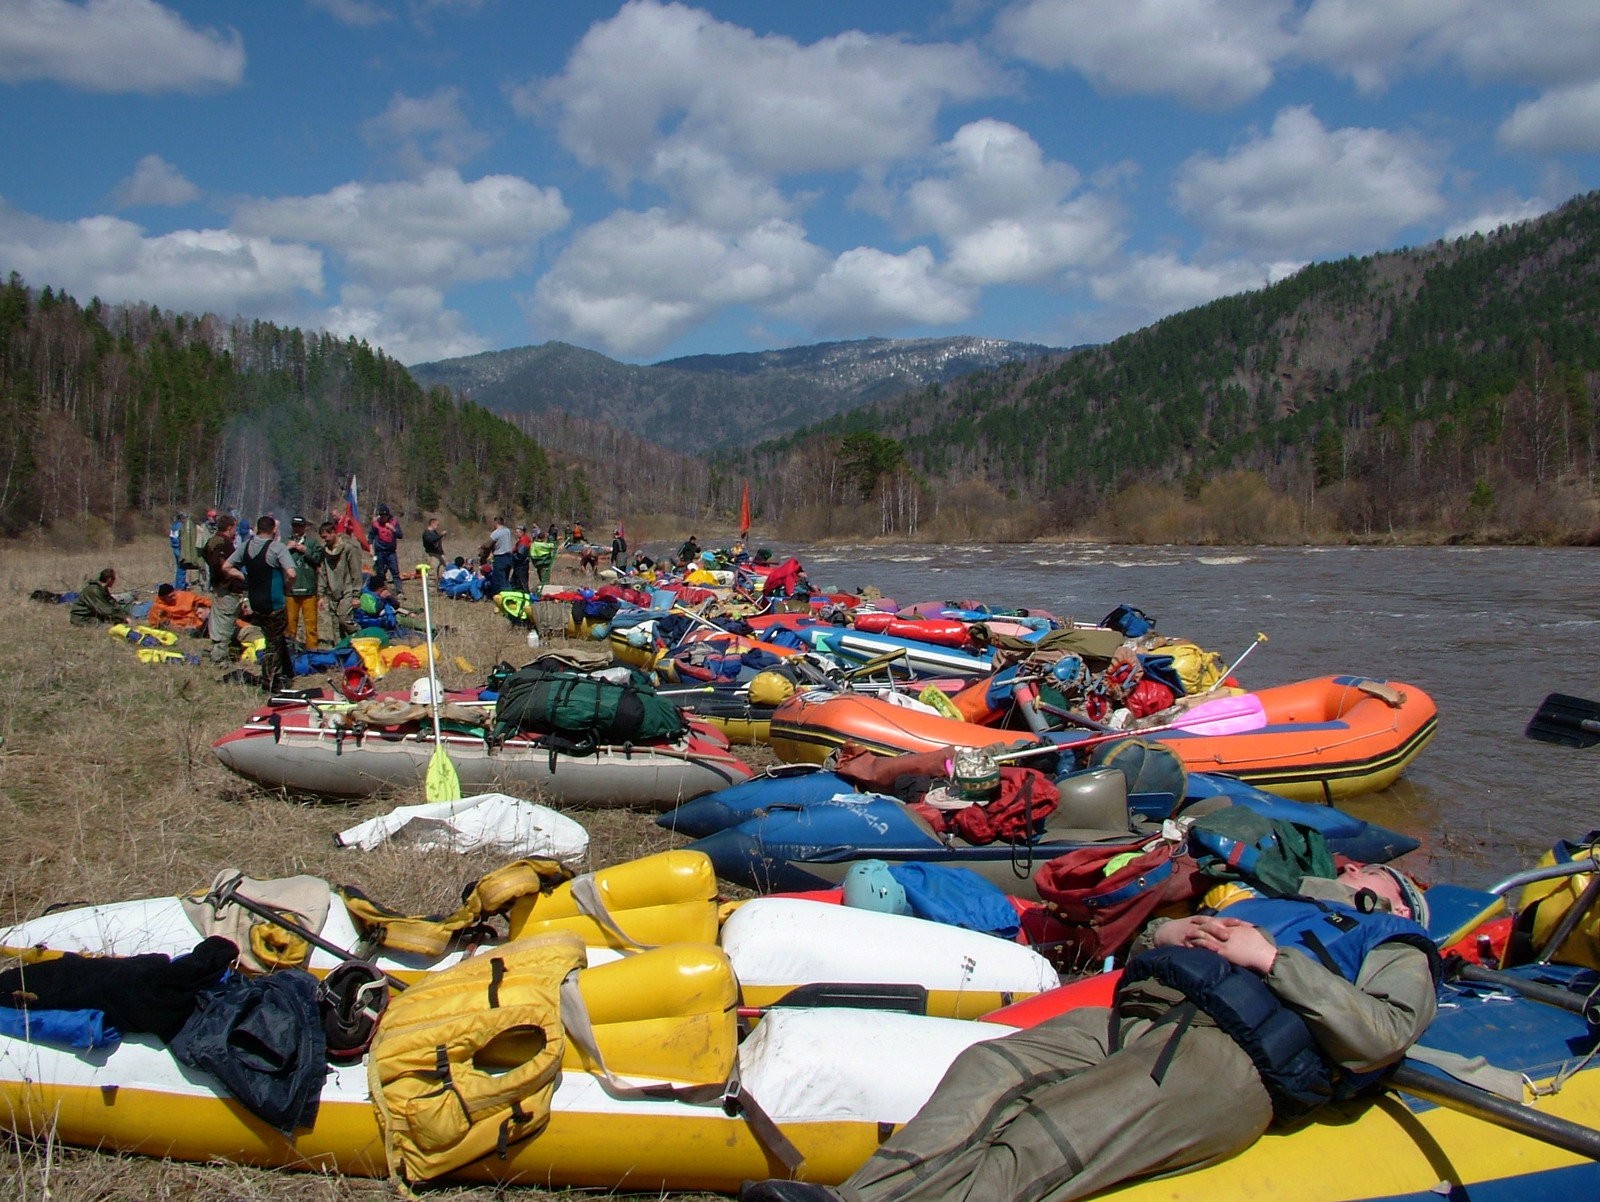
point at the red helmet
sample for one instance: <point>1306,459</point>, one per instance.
<point>357,684</point>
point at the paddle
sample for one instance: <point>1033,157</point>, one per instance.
<point>1225,716</point>
<point>442,782</point>
<point>1260,638</point>
<point>1570,721</point>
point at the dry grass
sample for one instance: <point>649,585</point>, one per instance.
<point>109,791</point>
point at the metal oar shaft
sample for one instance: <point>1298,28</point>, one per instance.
<point>1468,1099</point>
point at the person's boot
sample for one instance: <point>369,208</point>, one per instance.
<point>776,1189</point>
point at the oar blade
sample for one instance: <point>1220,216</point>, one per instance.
<point>442,783</point>
<point>1567,720</point>
<point>1224,716</point>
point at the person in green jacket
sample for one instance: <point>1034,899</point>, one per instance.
<point>341,576</point>
<point>95,602</point>
<point>307,554</point>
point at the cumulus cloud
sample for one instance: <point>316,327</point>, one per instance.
<point>1561,120</point>
<point>1305,190</point>
<point>219,271</point>
<point>410,324</point>
<point>1538,42</point>
<point>1208,53</point>
<point>1004,213</point>
<point>1512,212</point>
<point>766,103</point>
<point>423,132</point>
<point>115,46</point>
<point>867,289</point>
<point>154,182</point>
<point>1148,287</point>
<point>634,281</point>
<point>436,231</point>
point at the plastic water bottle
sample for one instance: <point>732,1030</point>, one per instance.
<point>533,638</point>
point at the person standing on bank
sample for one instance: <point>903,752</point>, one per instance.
<point>385,536</point>
<point>307,556</point>
<point>1222,1023</point>
<point>341,576</point>
<point>619,548</point>
<point>267,572</point>
<point>433,544</point>
<point>226,593</point>
<point>500,544</point>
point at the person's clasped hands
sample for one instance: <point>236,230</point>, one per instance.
<point>1236,941</point>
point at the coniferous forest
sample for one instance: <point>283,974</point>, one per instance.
<point>1443,392</point>
<point>123,413</point>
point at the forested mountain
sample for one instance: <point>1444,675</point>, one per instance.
<point>126,412</point>
<point>1451,386</point>
<point>710,401</point>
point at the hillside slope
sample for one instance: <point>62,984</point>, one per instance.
<point>710,401</point>
<point>1417,379</point>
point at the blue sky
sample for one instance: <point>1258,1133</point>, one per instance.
<point>443,177</point>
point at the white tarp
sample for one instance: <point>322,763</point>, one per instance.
<point>509,824</point>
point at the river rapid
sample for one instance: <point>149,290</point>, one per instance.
<point>1487,632</point>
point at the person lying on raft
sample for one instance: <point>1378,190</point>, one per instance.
<point>1223,1022</point>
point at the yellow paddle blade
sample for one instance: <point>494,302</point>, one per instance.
<point>443,784</point>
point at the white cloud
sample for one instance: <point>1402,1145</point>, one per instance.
<point>1145,288</point>
<point>1305,190</point>
<point>154,182</point>
<point>436,231</point>
<point>1512,212</point>
<point>766,103</point>
<point>1003,211</point>
<point>115,46</point>
<point>199,271</point>
<point>1538,42</point>
<point>634,282</point>
<point>423,132</point>
<point>354,12</point>
<point>1208,53</point>
<point>410,324</point>
<point>867,289</point>
<point>1561,120</point>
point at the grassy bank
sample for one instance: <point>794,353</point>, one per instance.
<point>109,791</point>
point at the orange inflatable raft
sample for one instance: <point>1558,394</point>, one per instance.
<point>1324,739</point>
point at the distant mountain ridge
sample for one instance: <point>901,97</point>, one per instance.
<point>707,401</point>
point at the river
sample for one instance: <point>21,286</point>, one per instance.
<point>1487,632</point>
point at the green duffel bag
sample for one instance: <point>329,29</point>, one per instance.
<point>588,710</point>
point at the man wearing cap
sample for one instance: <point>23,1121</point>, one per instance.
<point>619,548</point>
<point>1223,1023</point>
<point>308,555</point>
<point>385,536</point>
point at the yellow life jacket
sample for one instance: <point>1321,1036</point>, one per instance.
<point>1543,904</point>
<point>439,1103</point>
<point>516,606</point>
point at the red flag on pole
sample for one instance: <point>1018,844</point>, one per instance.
<point>744,512</point>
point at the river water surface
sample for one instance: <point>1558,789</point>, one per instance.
<point>1487,632</point>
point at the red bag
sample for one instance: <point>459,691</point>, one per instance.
<point>874,773</point>
<point>1027,797</point>
<point>1147,697</point>
<point>1109,911</point>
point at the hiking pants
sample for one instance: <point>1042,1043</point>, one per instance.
<point>386,564</point>
<point>1051,1113</point>
<point>302,609</point>
<point>180,577</point>
<point>224,613</point>
<point>277,668</point>
<point>341,608</point>
<point>500,576</point>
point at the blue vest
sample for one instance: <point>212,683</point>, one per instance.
<point>1293,1068</point>
<point>263,580</point>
